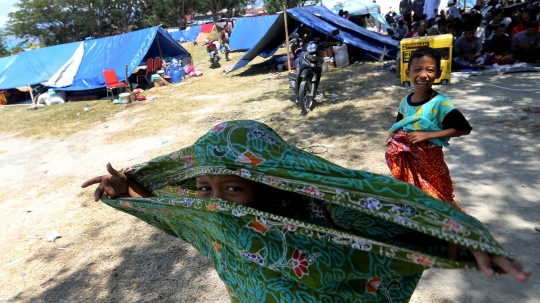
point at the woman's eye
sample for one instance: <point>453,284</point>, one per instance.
<point>233,188</point>
<point>204,188</point>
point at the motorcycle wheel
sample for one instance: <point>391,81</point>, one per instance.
<point>306,99</point>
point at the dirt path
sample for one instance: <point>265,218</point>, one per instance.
<point>107,256</point>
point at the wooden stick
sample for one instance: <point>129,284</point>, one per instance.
<point>159,48</point>
<point>287,38</point>
<point>383,53</point>
<point>127,80</point>
<point>191,53</point>
<point>32,96</point>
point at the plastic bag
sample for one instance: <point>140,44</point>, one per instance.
<point>341,55</point>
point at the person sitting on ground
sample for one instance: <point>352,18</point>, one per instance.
<point>468,50</point>
<point>525,20</point>
<point>401,30</point>
<point>433,32</point>
<point>515,18</point>
<point>480,31</point>
<point>497,18</point>
<point>414,29</point>
<point>439,28</point>
<point>453,11</point>
<point>451,29</point>
<point>277,221</point>
<point>498,47</point>
<point>340,13</point>
<point>487,19</point>
<point>224,40</point>
<point>421,30</point>
<point>526,44</point>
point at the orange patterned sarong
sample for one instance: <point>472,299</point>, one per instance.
<point>422,165</point>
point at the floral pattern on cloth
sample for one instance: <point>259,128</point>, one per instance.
<point>345,250</point>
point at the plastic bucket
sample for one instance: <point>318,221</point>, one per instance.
<point>124,97</point>
<point>326,64</point>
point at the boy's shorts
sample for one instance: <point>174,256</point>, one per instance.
<point>226,45</point>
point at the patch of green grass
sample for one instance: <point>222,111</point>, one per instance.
<point>56,120</point>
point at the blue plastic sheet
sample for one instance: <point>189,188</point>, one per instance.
<point>248,31</point>
<point>360,37</point>
<point>324,21</point>
<point>187,35</point>
<point>5,63</point>
<point>117,51</point>
<point>36,66</point>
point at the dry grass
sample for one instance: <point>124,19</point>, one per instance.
<point>357,105</point>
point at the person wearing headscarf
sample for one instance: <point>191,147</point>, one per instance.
<point>280,224</point>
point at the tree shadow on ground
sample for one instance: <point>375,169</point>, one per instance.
<point>158,268</point>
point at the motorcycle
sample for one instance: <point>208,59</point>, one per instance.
<point>212,50</point>
<point>307,76</point>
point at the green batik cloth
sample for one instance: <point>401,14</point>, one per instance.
<point>363,238</point>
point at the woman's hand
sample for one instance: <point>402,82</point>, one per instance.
<point>510,267</point>
<point>485,261</point>
<point>113,185</point>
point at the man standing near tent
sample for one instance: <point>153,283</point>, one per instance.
<point>405,10</point>
<point>430,8</point>
<point>418,10</point>
<point>224,40</point>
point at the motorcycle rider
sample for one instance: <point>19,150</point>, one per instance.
<point>212,50</point>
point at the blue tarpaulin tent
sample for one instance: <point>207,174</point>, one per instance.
<point>83,69</point>
<point>248,31</point>
<point>322,20</point>
<point>36,66</point>
<point>186,35</point>
<point>117,51</point>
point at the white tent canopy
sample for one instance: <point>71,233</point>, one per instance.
<point>355,7</point>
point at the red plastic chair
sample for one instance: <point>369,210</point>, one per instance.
<point>149,72</point>
<point>112,82</point>
<point>157,66</point>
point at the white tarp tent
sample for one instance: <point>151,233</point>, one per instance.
<point>355,7</point>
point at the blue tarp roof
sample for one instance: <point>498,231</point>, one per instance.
<point>324,21</point>
<point>36,66</point>
<point>5,63</point>
<point>115,52</point>
<point>248,31</point>
<point>187,35</point>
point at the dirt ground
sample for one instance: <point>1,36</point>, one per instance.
<point>107,256</point>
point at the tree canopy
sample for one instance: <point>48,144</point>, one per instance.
<point>63,21</point>
<point>273,6</point>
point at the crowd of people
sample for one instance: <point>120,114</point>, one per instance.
<point>506,33</point>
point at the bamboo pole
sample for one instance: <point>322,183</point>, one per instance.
<point>383,53</point>
<point>31,95</point>
<point>287,38</point>
<point>159,48</point>
<point>191,53</point>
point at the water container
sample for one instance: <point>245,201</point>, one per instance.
<point>177,75</point>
